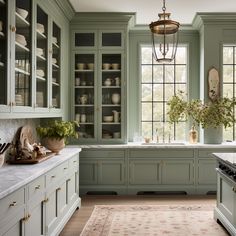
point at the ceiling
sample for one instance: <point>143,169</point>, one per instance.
<point>147,11</point>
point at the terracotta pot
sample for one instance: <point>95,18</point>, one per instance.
<point>54,144</point>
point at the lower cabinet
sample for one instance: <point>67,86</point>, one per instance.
<point>44,205</point>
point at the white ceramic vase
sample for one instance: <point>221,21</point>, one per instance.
<point>115,98</point>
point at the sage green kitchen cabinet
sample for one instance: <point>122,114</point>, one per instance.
<point>31,67</point>
<point>99,87</point>
<point>102,171</point>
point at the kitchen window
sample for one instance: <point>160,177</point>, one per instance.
<point>229,82</point>
<point>159,82</point>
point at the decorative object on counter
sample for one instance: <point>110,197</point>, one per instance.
<point>115,98</point>
<point>56,132</point>
<point>193,135</point>
<point>208,114</point>
<point>164,37</point>
<point>24,149</point>
<point>147,140</point>
<point>213,84</point>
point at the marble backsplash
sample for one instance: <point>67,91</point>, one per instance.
<point>8,128</point>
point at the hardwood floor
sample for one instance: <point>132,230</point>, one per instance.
<point>80,217</point>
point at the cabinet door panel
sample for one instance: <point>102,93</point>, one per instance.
<point>177,172</point>
<point>111,172</point>
<point>88,172</point>
<point>62,199</point>
<point>72,188</point>
<point>144,172</point>
<point>207,172</point>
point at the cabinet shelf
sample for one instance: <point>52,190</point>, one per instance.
<point>56,66</point>
<point>55,84</point>
<point>20,21</point>
<point>2,2</point>
<point>41,35</point>
<point>84,87</point>
<point>2,35</point>
<point>110,123</point>
<point>84,71</point>
<point>109,71</point>
<point>110,105</point>
<point>22,71</point>
<point>40,78</point>
<point>84,105</point>
<point>56,45</point>
<point>21,48</point>
<point>87,123</point>
<point>41,58</point>
<point>108,87</point>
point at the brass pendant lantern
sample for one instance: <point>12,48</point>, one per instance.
<point>164,37</point>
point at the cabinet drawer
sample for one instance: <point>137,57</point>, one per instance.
<point>161,153</point>
<point>56,174</point>
<point>74,163</point>
<point>103,153</point>
<point>36,187</point>
<point>12,203</point>
<point>208,152</point>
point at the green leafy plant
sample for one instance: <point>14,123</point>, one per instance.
<point>58,129</point>
<point>209,114</point>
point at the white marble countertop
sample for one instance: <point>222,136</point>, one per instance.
<point>13,177</point>
<point>133,145</point>
<point>227,157</point>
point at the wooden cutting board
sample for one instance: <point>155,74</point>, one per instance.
<point>33,161</point>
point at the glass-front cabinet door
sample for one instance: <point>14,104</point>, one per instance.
<point>41,52</point>
<point>85,94</point>
<point>111,81</point>
<point>4,88</point>
<point>23,54</point>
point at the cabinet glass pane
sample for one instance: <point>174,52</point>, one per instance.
<point>111,39</point>
<point>84,40</point>
<point>84,94</point>
<point>56,66</point>
<point>42,59</point>
<point>23,77</point>
<point>3,52</point>
<point>111,96</point>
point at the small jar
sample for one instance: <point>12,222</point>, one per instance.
<point>193,135</point>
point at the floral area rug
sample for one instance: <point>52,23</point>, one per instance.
<point>152,220</point>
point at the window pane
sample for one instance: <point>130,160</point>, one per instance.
<point>147,129</point>
<point>158,92</point>
<point>146,92</point>
<point>169,74</point>
<point>228,73</point>
<point>228,90</point>
<point>146,111</point>
<point>228,55</point>
<point>179,134</point>
<point>146,74</point>
<point>157,111</point>
<point>158,74</point>
<point>183,88</point>
<point>169,91</point>
<point>181,74</point>
<point>181,57</point>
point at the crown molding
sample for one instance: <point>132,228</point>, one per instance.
<point>66,8</point>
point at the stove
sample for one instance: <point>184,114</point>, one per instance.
<point>225,210</point>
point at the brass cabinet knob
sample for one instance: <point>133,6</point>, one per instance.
<point>53,176</point>
<point>13,204</point>
<point>65,168</point>
<point>13,29</point>
<point>46,200</point>
<point>234,189</point>
<point>37,187</point>
<point>58,189</point>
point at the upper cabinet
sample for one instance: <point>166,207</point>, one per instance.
<point>99,78</point>
<point>30,59</point>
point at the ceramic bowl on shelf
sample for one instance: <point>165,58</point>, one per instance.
<point>22,12</point>
<point>115,66</point>
<point>40,28</point>
<point>54,40</point>
<point>81,66</point>
<point>107,118</point>
<point>39,51</point>
<point>106,66</point>
<point>40,73</point>
<point>54,60</point>
<point>90,66</point>
<point>21,39</point>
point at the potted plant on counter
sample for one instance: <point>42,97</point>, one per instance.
<point>56,132</point>
<point>212,114</point>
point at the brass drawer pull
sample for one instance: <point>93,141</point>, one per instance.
<point>69,180</point>
<point>74,161</point>
<point>234,189</point>
<point>37,187</point>
<point>58,189</point>
<point>65,168</point>
<point>26,218</point>
<point>13,204</point>
<point>46,200</point>
<point>53,176</point>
